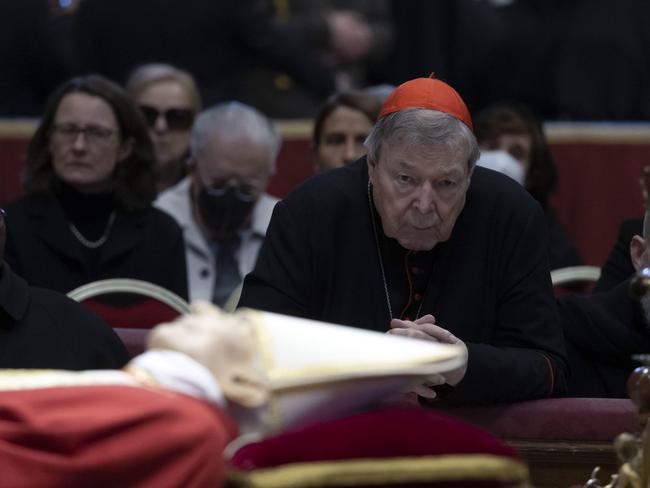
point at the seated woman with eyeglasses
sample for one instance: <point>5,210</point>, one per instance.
<point>89,184</point>
<point>169,100</point>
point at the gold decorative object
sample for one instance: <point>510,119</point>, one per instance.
<point>633,451</point>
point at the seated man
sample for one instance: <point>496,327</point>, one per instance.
<point>417,240</point>
<point>42,328</point>
<point>619,267</point>
<point>221,206</point>
<point>605,329</point>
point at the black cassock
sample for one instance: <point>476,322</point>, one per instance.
<point>602,333</point>
<point>489,284</point>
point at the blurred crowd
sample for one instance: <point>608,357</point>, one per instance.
<point>571,59</point>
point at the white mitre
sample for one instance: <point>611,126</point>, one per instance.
<point>318,370</point>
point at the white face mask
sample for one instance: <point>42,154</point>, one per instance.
<point>503,162</point>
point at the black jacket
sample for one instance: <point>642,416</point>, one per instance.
<point>562,251</point>
<point>146,245</point>
<point>618,266</point>
<point>489,285</point>
<point>44,329</point>
<point>602,333</point>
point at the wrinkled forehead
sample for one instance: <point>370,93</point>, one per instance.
<point>426,158</point>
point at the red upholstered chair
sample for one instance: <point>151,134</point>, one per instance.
<point>133,339</point>
<point>129,303</point>
<point>390,447</point>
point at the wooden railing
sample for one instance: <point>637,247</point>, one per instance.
<point>562,439</point>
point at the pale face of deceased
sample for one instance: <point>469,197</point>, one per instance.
<point>419,194</point>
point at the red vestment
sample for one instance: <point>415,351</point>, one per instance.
<point>110,436</point>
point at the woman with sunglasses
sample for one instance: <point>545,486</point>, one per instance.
<point>169,100</point>
<point>89,184</point>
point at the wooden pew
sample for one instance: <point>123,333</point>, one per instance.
<point>562,439</point>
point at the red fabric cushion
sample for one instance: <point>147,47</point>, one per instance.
<point>144,314</point>
<point>386,438</point>
<point>594,419</point>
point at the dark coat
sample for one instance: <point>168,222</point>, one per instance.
<point>146,245</point>
<point>618,266</point>
<point>306,22</point>
<point>489,285</point>
<point>562,251</point>
<point>602,332</point>
<point>43,329</point>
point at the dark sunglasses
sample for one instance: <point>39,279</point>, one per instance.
<point>175,118</point>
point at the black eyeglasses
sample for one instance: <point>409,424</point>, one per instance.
<point>69,132</point>
<point>175,118</point>
<point>3,214</point>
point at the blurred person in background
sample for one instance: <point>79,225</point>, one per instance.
<point>522,45</point>
<point>215,41</point>
<point>169,99</point>
<point>604,330</point>
<point>89,185</point>
<point>513,129</point>
<point>352,37</point>
<point>341,127</point>
<point>221,205</point>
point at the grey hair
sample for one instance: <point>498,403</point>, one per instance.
<point>235,119</point>
<point>145,75</point>
<point>425,129</point>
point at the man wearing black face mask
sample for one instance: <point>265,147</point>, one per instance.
<point>221,204</point>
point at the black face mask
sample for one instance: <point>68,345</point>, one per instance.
<point>224,210</point>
